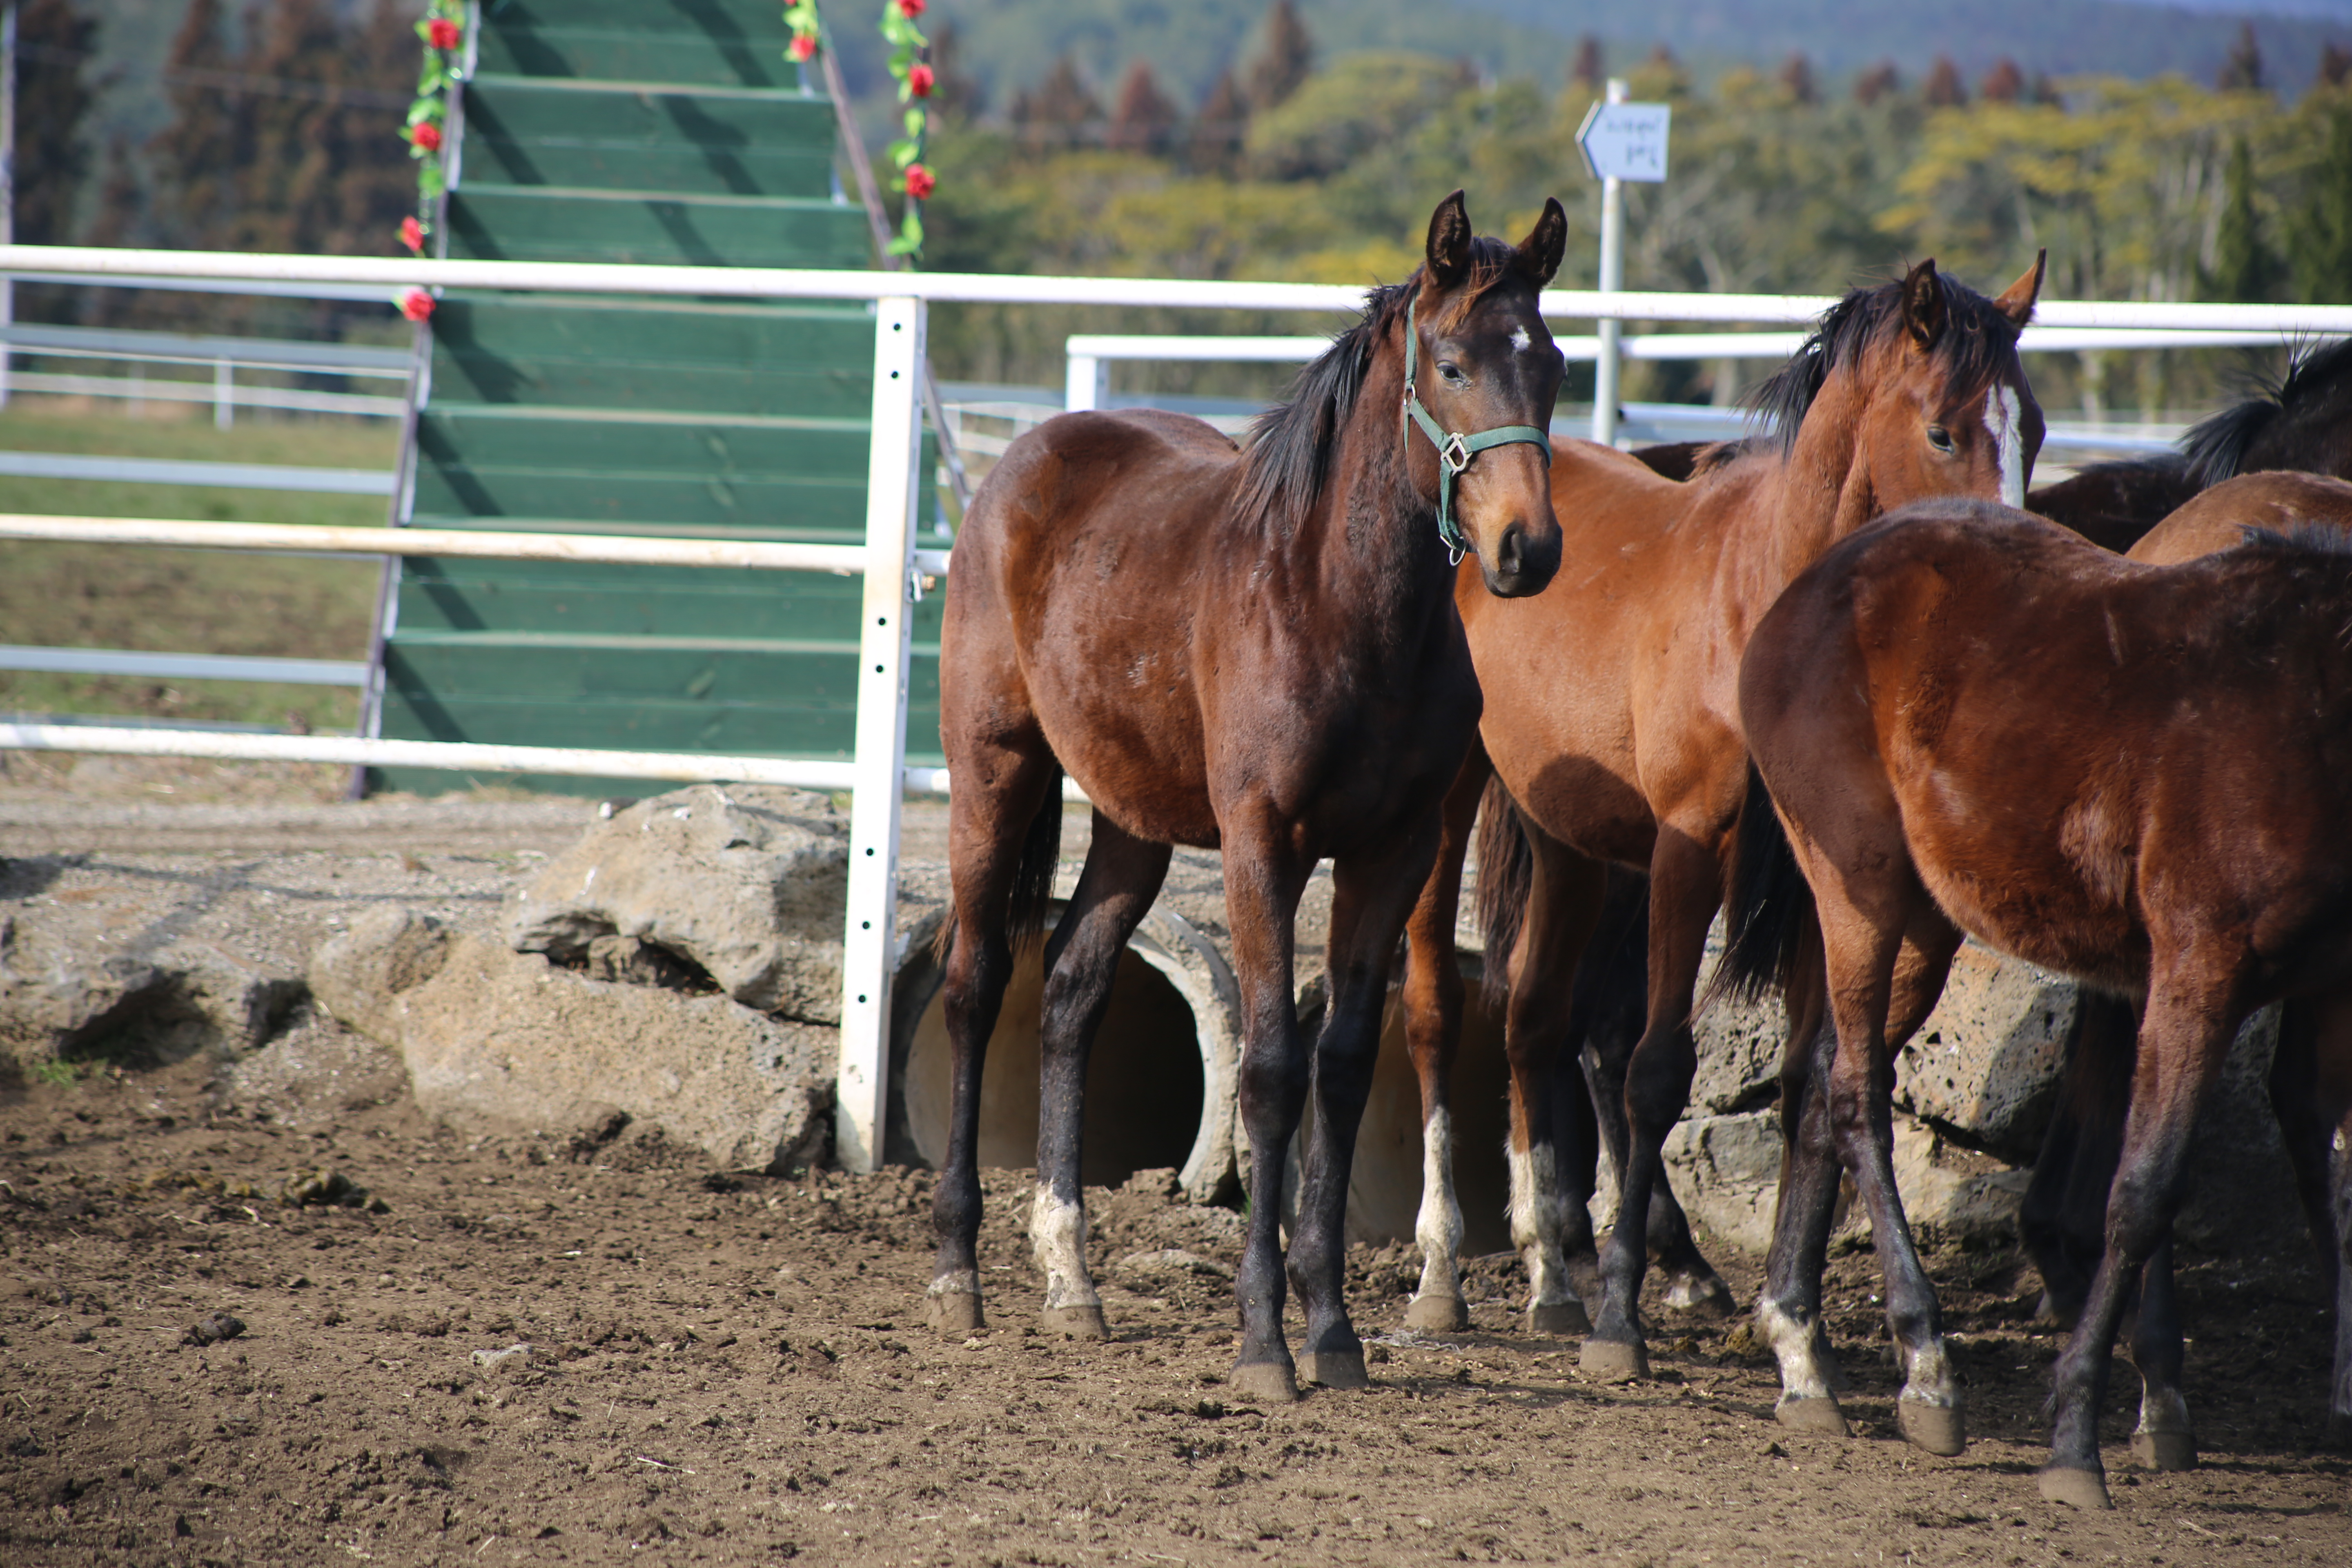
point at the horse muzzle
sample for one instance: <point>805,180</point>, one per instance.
<point>1523,561</point>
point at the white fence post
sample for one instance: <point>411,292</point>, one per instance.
<point>869,946</point>
<point>1087,384</point>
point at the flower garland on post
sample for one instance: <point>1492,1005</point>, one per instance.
<point>916,81</point>
<point>444,36</point>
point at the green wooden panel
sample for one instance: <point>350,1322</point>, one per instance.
<point>476,463</point>
<point>732,43</point>
<point>548,223</point>
<point>523,130</point>
<point>814,361</point>
<point>450,596</point>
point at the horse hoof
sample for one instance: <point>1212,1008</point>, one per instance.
<point>1559,1318</point>
<point>2075,1488</point>
<point>1270,1381</point>
<point>1075,1322</point>
<point>1437,1315</point>
<point>1708,1298</point>
<point>1334,1369</point>
<point>1613,1361</point>
<point>1938,1428</point>
<point>2165,1451</point>
<point>955,1314</point>
<point>1813,1417</point>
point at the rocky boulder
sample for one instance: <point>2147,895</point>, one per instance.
<point>746,881</point>
<point>71,988</point>
<point>509,1041</point>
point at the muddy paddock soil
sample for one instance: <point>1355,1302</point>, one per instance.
<point>730,1370</point>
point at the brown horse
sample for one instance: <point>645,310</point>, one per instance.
<point>1609,721</point>
<point>1969,720</point>
<point>1255,650</point>
<point>2304,423</point>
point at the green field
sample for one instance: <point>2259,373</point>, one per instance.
<point>188,601</point>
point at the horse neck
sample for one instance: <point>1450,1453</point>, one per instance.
<point>1815,497</point>
<point>1369,543</point>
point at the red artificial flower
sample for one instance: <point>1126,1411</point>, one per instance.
<point>411,234</point>
<point>920,182</point>
<point>803,47</point>
<point>919,81</point>
<point>425,135</point>
<point>911,9</point>
<point>417,305</point>
<point>441,33</point>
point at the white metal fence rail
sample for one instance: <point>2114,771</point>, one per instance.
<point>887,561</point>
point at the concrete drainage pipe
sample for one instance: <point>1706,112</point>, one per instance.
<point>1161,1083</point>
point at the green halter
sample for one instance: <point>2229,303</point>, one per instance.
<point>1454,452</point>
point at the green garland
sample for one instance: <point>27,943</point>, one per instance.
<point>915,82</point>
<point>442,28</point>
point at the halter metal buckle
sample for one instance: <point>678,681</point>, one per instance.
<point>1455,454</point>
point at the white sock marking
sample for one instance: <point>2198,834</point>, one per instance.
<point>1057,1234</point>
<point>1535,1224</point>
<point>1438,1226</point>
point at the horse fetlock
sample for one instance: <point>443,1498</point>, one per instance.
<point>1535,1198</point>
<point>1797,1342</point>
<point>1058,1234</point>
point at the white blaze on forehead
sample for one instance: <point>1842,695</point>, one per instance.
<point>1520,341</point>
<point>2001,418</point>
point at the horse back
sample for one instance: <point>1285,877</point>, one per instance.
<point>2282,502</point>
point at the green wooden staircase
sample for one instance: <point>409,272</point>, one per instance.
<point>667,131</point>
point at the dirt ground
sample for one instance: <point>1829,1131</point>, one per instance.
<point>732,1369</point>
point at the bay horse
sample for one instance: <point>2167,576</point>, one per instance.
<point>1610,730</point>
<point>1255,650</point>
<point>1969,720</point>
<point>2304,423</point>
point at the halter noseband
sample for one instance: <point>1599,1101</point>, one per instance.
<point>1455,452</point>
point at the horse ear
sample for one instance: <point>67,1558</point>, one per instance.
<point>1449,242</point>
<point>1923,304</point>
<point>1539,253</point>
<point>2016,301</point>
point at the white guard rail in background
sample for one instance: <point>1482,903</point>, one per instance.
<point>887,560</point>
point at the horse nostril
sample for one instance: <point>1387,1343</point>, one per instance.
<point>1511,553</point>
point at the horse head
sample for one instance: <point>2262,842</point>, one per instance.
<point>1924,392</point>
<point>1481,375</point>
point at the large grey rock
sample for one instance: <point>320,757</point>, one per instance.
<point>503,1040</point>
<point>747,881</point>
<point>1986,1066</point>
<point>70,987</point>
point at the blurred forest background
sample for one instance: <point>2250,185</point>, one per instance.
<point>2159,154</point>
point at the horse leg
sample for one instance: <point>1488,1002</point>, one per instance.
<point>1611,1004</point>
<point>1686,887</point>
<point>1122,876</point>
<point>2063,1220</point>
<point>989,824</point>
<point>1789,1307</point>
<point>1433,1031</point>
<point>2311,1085</point>
<point>2164,1439</point>
<point>2183,1038</point>
<point>1263,882</point>
<point>1563,898</point>
<point>1370,896</point>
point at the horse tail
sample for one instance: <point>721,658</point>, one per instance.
<point>1032,878</point>
<point>1506,871</point>
<point>1770,907</point>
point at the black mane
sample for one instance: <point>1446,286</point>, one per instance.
<point>1976,343</point>
<point>1288,450</point>
<point>2215,447</point>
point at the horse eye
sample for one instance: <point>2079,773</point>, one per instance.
<point>1939,438</point>
<point>1452,373</point>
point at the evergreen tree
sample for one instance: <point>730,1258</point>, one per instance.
<point>1286,61</point>
<point>1943,89</point>
<point>1144,119</point>
<point>2244,269</point>
<point>1796,77</point>
<point>2335,65</point>
<point>2005,83</point>
<point>1877,82</point>
<point>1587,70</point>
<point>2319,232</point>
<point>1218,129</point>
<point>956,97</point>
<point>1060,113</point>
<point>2242,71</point>
<point>55,40</point>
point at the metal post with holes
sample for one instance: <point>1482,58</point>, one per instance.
<point>1611,280</point>
<point>869,946</point>
<point>1085,383</point>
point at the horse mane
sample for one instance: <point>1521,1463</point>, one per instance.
<point>2216,447</point>
<point>2298,538</point>
<point>1286,455</point>
<point>1718,454</point>
<point>1976,340</point>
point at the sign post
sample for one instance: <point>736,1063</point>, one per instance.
<point>1621,141</point>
